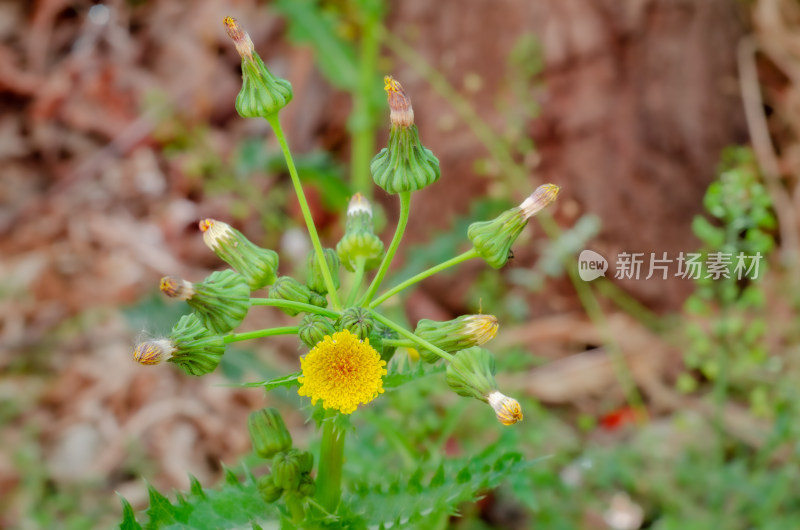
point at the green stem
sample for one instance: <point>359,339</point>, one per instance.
<point>312,229</point>
<point>361,264</point>
<point>472,253</point>
<point>296,509</point>
<point>299,306</point>
<point>236,337</point>
<point>363,120</point>
<point>410,336</point>
<point>405,207</point>
<point>331,456</point>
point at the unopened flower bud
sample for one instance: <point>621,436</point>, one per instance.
<point>197,350</point>
<point>378,337</point>
<point>313,329</point>
<point>153,351</point>
<point>317,299</point>
<point>305,461</point>
<point>357,321</point>
<point>314,279</point>
<point>258,265</point>
<point>405,164</point>
<point>493,239</point>
<point>286,470</point>
<point>307,487</point>
<point>287,288</point>
<point>176,288</point>
<point>400,111</point>
<point>471,374</point>
<point>221,300</point>
<point>359,242</point>
<point>268,490</point>
<point>262,93</point>
<point>268,432</point>
<point>507,409</point>
<point>457,334</point>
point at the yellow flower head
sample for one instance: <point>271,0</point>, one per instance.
<point>343,372</point>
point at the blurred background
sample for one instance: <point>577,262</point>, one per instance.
<point>670,125</point>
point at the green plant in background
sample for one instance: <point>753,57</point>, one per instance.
<point>726,335</point>
<point>352,345</point>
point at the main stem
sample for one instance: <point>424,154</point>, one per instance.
<point>405,207</point>
<point>410,336</point>
<point>312,229</point>
<point>472,253</point>
<point>329,473</point>
<point>236,337</point>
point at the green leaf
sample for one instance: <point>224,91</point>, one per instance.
<point>398,379</point>
<point>231,505</point>
<point>285,381</point>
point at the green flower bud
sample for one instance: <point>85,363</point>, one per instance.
<point>220,301</point>
<point>377,338</point>
<point>258,265</point>
<point>319,300</point>
<point>305,461</point>
<point>359,242</point>
<point>307,487</point>
<point>405,164</point>
<point>262,93</point>
<point>190,345</point>
<point>493,239</point>
<point>286,470</point>
<point>471,374</point>
<point>457,334</point>
<point>357,321</point>
<point>287,288</point>
<point>313,329</point>
<point>269,491</point>
<point>268,433</point>
<point>314,278</point>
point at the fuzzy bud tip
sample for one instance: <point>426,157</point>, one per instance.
<point>359,204</point>
<point>176,288</point>
<point>482,328</point>
<point>400,111</point>
<point>240,38</point>
<point>507,409</point>
<point>153,351</point>
<point>543,196</point>
<point>214,232</point>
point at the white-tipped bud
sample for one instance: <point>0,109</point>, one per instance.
<point>481,328</point>
<point>542,197</point>
<point>176,288</point>
<point>153,351</point>
<point>215,232</point>
<point>359,204</point>
<point>507,409</point>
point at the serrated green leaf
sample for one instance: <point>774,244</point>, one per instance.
<point>398,379</point>
<point>128,517</point>
<point>227,507</point>
<point>195,487</point>
<point>230,476</point>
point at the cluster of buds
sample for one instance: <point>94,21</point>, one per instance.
<point>404,165</point>
<point>287,288</point>
<point>290,472</point>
